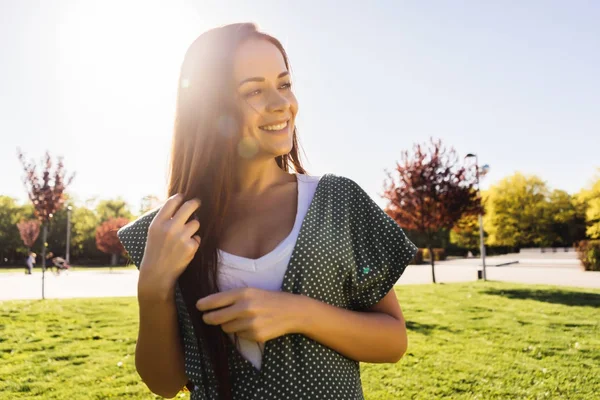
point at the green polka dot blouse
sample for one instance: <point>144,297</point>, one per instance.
<point>349,254</point>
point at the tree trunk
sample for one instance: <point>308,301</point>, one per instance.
<point>432,258</point>
<point>44,239</point>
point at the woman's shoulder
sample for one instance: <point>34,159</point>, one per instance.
<point>134,235</point>
<point>329,179</point>
<point>339,184</point>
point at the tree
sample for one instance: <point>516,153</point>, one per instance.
<point>11,246</point>
<point>432,191</point>
<point>107,240</point>
<point>85,222</point>
<point>149,202</point>
<point>568,219</point>
<point>518,212</point>
<point>465,233</point>
<point>590,199</point>
<point>117,208</point>
<point>46,193</point>
<point>29,231</point>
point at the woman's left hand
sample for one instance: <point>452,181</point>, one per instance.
<point>253,314</point>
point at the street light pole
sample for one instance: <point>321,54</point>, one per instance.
<point>67,256</point>
<point>480,217</point>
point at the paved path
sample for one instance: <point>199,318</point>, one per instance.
<point>16,285</point>
<point>561,276</point>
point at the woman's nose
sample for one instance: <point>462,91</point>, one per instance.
<point>277,103</point>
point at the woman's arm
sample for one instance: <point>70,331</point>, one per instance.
<point>376,336</point>
<point>169,244</point>
<point>159,355</point>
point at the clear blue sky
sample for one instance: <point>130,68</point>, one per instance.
<point>516,82</point>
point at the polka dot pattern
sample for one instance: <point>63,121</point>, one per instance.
<point>349,254</point>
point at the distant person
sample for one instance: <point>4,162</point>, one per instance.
<point>30,261</point>
<point>60,264</point>
<point>318,256</point>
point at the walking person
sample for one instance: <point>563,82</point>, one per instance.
<point>30,262</point>
<point>258,280</point>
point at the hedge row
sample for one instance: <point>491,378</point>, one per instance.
<point>589,254</point>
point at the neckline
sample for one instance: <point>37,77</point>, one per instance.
<point>278,252</point>
<point>259,373</point>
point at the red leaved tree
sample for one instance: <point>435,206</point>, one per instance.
<point>29,231</point>
<point>431,191</point>
<point>46,192</point>
<point>107,240</point>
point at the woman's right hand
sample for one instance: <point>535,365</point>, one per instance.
<point>171,245</point>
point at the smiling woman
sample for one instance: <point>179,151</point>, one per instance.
<point>256,279</point>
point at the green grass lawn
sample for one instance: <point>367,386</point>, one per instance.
<point>466,341</point>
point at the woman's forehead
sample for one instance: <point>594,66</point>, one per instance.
<point>258,58</point>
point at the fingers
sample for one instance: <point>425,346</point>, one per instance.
<point>224,315</point>
<point>168,209</point>
<point>219,300</point>
<point>185,211</point>
<point>191,228</point>
<point>237,325</point>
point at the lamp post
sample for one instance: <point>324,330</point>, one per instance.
<point>484,170</point>
<point>67,256</point>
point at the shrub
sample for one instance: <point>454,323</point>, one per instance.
<point>418,259</point>
<point>439,254</point>
<point>589,254</point>
<point>456,251</point>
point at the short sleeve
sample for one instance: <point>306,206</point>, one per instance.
<point>381,250</point>
<point>134,235</point>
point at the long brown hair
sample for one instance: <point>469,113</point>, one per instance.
<point>204,163</point>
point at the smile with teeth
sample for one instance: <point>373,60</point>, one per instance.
<point>277,127</point>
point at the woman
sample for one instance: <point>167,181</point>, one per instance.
<point>258,281</point>
<point>30,261</point>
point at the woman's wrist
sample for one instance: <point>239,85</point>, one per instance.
<point>152,290</point>
<point>301,312</point>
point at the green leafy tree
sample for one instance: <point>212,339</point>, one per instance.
<point>83,242</point>
<point>590,200</point>
<point>465,233</point>
<point>114,208</point>
<point>12,248</point>
<point>568,218</point>
<point>517,212</point>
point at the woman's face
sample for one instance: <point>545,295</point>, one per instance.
<point>268,104</point>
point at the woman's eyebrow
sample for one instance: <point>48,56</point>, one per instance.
<point>261,79</point>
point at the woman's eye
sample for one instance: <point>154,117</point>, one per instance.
<point>256,92</point>
<point>252,93</point>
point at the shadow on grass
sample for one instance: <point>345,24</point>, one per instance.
<point>425,329</point>
<point>555,296</point>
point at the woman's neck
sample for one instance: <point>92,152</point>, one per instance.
<point>255,178</point>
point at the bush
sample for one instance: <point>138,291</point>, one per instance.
<point>499,250</point>
<point>456,251</point>
<point>439,254</point>
<point>589,254</point>
<point>418,259</point>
